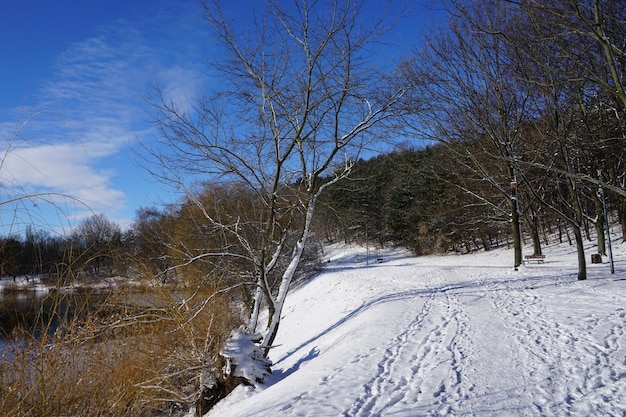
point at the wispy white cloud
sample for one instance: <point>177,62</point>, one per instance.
<point>94,111</point>
<point>64,168</point>
<point>86,114</point>
<point>180,85</point>
<point>103,75</point>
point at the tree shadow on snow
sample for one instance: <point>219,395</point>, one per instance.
<point>280,374</point>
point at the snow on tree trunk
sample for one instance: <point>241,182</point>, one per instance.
<point>244,357</point>
<point>278,303</point>
<point>282,294</point>
<point>254,317</point>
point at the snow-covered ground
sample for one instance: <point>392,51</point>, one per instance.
<point>459,335</point>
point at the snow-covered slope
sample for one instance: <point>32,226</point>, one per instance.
<point>448,335</point>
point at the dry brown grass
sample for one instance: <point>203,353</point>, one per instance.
<point>127,358</point>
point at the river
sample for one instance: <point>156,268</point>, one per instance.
<point>35,310</point>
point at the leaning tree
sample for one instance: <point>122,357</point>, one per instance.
<point>299,98</point>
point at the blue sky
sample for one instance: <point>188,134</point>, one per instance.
<point>73,74</point>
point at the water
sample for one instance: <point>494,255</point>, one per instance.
<point>38,312</point>
<point>34,310</point>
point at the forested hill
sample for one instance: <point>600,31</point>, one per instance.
<point>439,198</point>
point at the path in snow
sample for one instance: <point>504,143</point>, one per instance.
<point>450,335</point>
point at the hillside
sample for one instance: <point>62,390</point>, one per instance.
<point>448,335</point>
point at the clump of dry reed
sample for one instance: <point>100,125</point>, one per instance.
<point>127,358</point>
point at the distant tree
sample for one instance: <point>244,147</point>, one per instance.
<point>11,257</point>
<point>354,205</point>
<point>33,252</point>
<point>99,241</point>
<point>418,199</point>
<point>150,234</point>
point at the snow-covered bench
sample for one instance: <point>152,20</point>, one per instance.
<point>534,258</point>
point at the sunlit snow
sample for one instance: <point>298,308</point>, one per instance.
<point>448,335</point>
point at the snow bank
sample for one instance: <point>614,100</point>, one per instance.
<point>448,335</point>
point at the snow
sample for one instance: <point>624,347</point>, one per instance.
<point>448,335</point>
<point>245,358</point>
<point>23,283</point>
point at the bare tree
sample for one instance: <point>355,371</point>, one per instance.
<point>477,106</point>
<point>300,99</point>
<point>572,52</point>
<point>585,40</point>
<point>587,36</point>
<point>99,240</point>
<point>504,76</point>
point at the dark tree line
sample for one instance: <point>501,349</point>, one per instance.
<point>35,253</point>
<point>96,248</point>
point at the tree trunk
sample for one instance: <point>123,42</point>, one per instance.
<point>278,303</point>
<point>546,232</point>
<point>582,263</point>
<point>578,212</point>
<point>599,225</point>
<point>274,318</point>
<point>623,219</point>
<point>585,224</point>
<point>534,231</point>
<point>256,307</point>
<point>486,242</point>
<point>516,231</point>
<point>531,220</point>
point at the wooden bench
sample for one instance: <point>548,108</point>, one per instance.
<point>534,258</point>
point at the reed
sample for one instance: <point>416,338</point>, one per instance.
<point>125,356</point>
